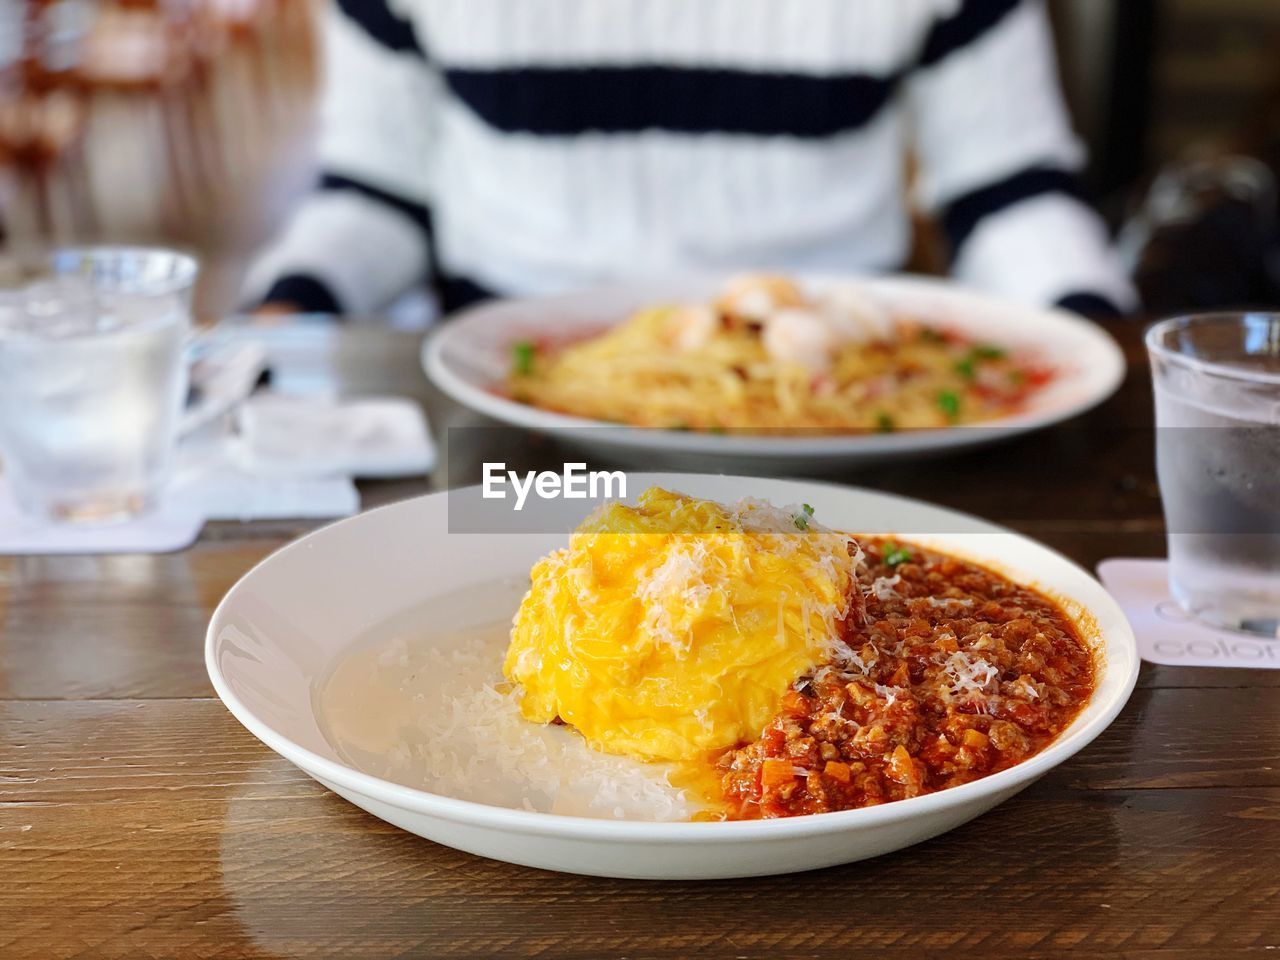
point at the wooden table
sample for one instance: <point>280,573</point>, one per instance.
<point>138,819</point>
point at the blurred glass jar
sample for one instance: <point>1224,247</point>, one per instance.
<point>188,123</point>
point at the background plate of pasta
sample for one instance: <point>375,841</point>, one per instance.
<point>771,369</point>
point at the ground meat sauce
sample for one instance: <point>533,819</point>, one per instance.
<point>953,673</point>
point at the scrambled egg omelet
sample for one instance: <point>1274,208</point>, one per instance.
<point>672,629</point>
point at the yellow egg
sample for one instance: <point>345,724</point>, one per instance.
<point>673,628</point>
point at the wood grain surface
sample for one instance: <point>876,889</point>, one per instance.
<point>138,819</point>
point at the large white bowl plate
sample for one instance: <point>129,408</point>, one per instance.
<point>281,627</point>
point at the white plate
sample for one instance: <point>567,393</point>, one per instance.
<point>471,355</point>
<point>278,631</point>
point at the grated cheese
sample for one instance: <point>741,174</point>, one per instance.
<point>882,588</point>
<point>684,579</point>
<point>968,673</point>
<point>1028,688</point>
<point>889,693</point>
<point>679,581</point>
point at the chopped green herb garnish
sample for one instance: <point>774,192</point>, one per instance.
<point>930,335</point>
<point>967,367</point>
<point>1017,377</point>
<point>949,404</point>
<point>884,423</point>
<point>893,555</point>
<point>522,354</point>
<point>801,519</point>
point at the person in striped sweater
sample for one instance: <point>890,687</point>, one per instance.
<point>505,147</point>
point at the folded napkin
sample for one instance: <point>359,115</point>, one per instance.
<point>211,479</point>
<point>285,436</point>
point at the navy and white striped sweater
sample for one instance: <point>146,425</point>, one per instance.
<point>524,146</point>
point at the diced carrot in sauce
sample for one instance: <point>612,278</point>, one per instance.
<point>901,768</point>
<point>774,773</point>
<point>975,739</point>
<point>794,704</point>
<point>838,771</point>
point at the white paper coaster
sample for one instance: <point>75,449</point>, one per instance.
<point>171,527</point>
<point>1167,634</point>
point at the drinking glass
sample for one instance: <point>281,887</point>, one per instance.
<point>92,378</point>
<point>1217,391</point>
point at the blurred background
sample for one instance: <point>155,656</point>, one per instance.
<point>187,124</point>
<point>193,124</point>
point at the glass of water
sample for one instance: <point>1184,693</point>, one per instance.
<point>1217,388</point>
<point>92,378</point>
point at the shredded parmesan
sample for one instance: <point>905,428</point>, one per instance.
<point>855,661</point>
<point>882,588</point>
<point>680,580</point>
<point>890,694</point>
<point>968,673</point>
<point>685,578</point>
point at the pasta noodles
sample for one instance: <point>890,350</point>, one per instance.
<point>765,358</point>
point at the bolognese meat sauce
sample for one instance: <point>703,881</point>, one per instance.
<point>951,673</point>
